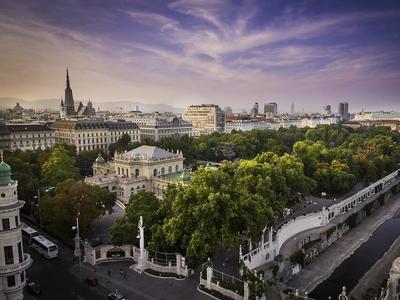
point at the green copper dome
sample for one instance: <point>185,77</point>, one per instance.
<point>5,174</point>
<point>100,160</point>
<point>185,176</point>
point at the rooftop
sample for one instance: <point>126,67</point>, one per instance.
<point>148,152</point>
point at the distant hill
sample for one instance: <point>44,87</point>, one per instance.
<point>113,106</point>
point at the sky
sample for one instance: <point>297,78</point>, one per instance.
<point>182,52</point>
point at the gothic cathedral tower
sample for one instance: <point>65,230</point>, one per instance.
<point>69,99</point>
<point>13,260</point>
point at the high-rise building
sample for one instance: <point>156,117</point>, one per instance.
<point>327,110</point>
<point>13,261</point>
<point>254,109</point>
<point>343,110</point>
<point>346,111</point>
<point>271,109</point>
<point>292,108</point>
<point>205,118</point>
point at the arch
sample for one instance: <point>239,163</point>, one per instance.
<point>132,189</point>
<point>162,171</point>
<point>143,186</point>
<point>155,172</point>
<point>176,168</point>
<point>114,188</point>
<point>137,173</point>
<point>169,170</point>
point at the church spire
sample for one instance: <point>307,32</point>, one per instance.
<point>68,87</point>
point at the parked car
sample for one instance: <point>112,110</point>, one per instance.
<point>116,296</point>
<point>34,288</point>
<point>91,280</point>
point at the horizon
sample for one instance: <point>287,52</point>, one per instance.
<point>231,53</point>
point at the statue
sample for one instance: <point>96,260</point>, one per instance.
<point>343,295</point>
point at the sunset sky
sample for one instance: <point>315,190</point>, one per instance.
<point>182,52</point>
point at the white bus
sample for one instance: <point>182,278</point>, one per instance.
<point>44,247</point>
<point>28,233</point>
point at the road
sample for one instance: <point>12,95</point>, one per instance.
<point>57,282</point>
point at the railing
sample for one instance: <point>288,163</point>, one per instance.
<point>162,258</point>
<point>16,267</point>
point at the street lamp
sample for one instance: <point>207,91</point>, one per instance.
<point>77,251</point>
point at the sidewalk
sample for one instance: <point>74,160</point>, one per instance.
<point>324,264</point>
<point>140,286</point>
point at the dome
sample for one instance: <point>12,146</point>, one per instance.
<point>5,174</point>
<point>4,167</point>
<point>185,176</point>
<point>100,159</point>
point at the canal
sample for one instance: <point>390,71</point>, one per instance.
<point>350,271</point>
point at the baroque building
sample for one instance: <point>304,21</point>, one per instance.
<point>147,168</point>
<point>13,260</point>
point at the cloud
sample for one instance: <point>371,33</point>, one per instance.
<point>200,51</point>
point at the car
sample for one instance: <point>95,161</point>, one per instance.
<point>91,280</point>
<point>34,288</point>
<point>116,296</point>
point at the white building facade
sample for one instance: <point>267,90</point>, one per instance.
<point>13,260</point>
<point>205,118</point>
<point>93,134</point>
<point>145,168</point>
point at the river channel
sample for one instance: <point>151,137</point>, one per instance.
<point>351,270</point>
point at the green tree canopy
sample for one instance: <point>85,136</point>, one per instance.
<point>60,166</point>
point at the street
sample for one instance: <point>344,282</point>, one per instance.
<point>57,282</point>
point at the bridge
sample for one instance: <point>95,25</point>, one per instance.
<point>333,214</point>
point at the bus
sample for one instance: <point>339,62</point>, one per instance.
<point>28,233</point>
<point>44,247</point>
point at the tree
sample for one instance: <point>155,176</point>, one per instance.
<point>105,199</point>
<point>58,213</point>
<point>59,167</point>
<point>143,204</point>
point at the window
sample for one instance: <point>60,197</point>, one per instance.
<point>16,221</point>
<point>155,172</point>
<point>136,172</point>
<point>20,256</point>
<point>11,281</point>
<point>8,255</point>
<point>3,195</point>
<point>6,224</point>
<point>23,276</point>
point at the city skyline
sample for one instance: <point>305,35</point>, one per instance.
<point>192,52</point>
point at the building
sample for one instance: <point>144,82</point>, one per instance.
<point>377,116</point>
<point>25,137</point>
<point>205,118</point>
<point>93,134</point>
<point>271,109</point>
<point>254,109</point>
<point>327,110</point>
<point>13,260</point>
<point>67,106</point>
<point>343,110</point>
<point>292,108</point>
<point>145,168</point>
<point>315,121</point>
<point>239,123</point>
<point>156,128</point>
<point>228,111</point>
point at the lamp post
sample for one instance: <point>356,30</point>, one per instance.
<point>77,251</point>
